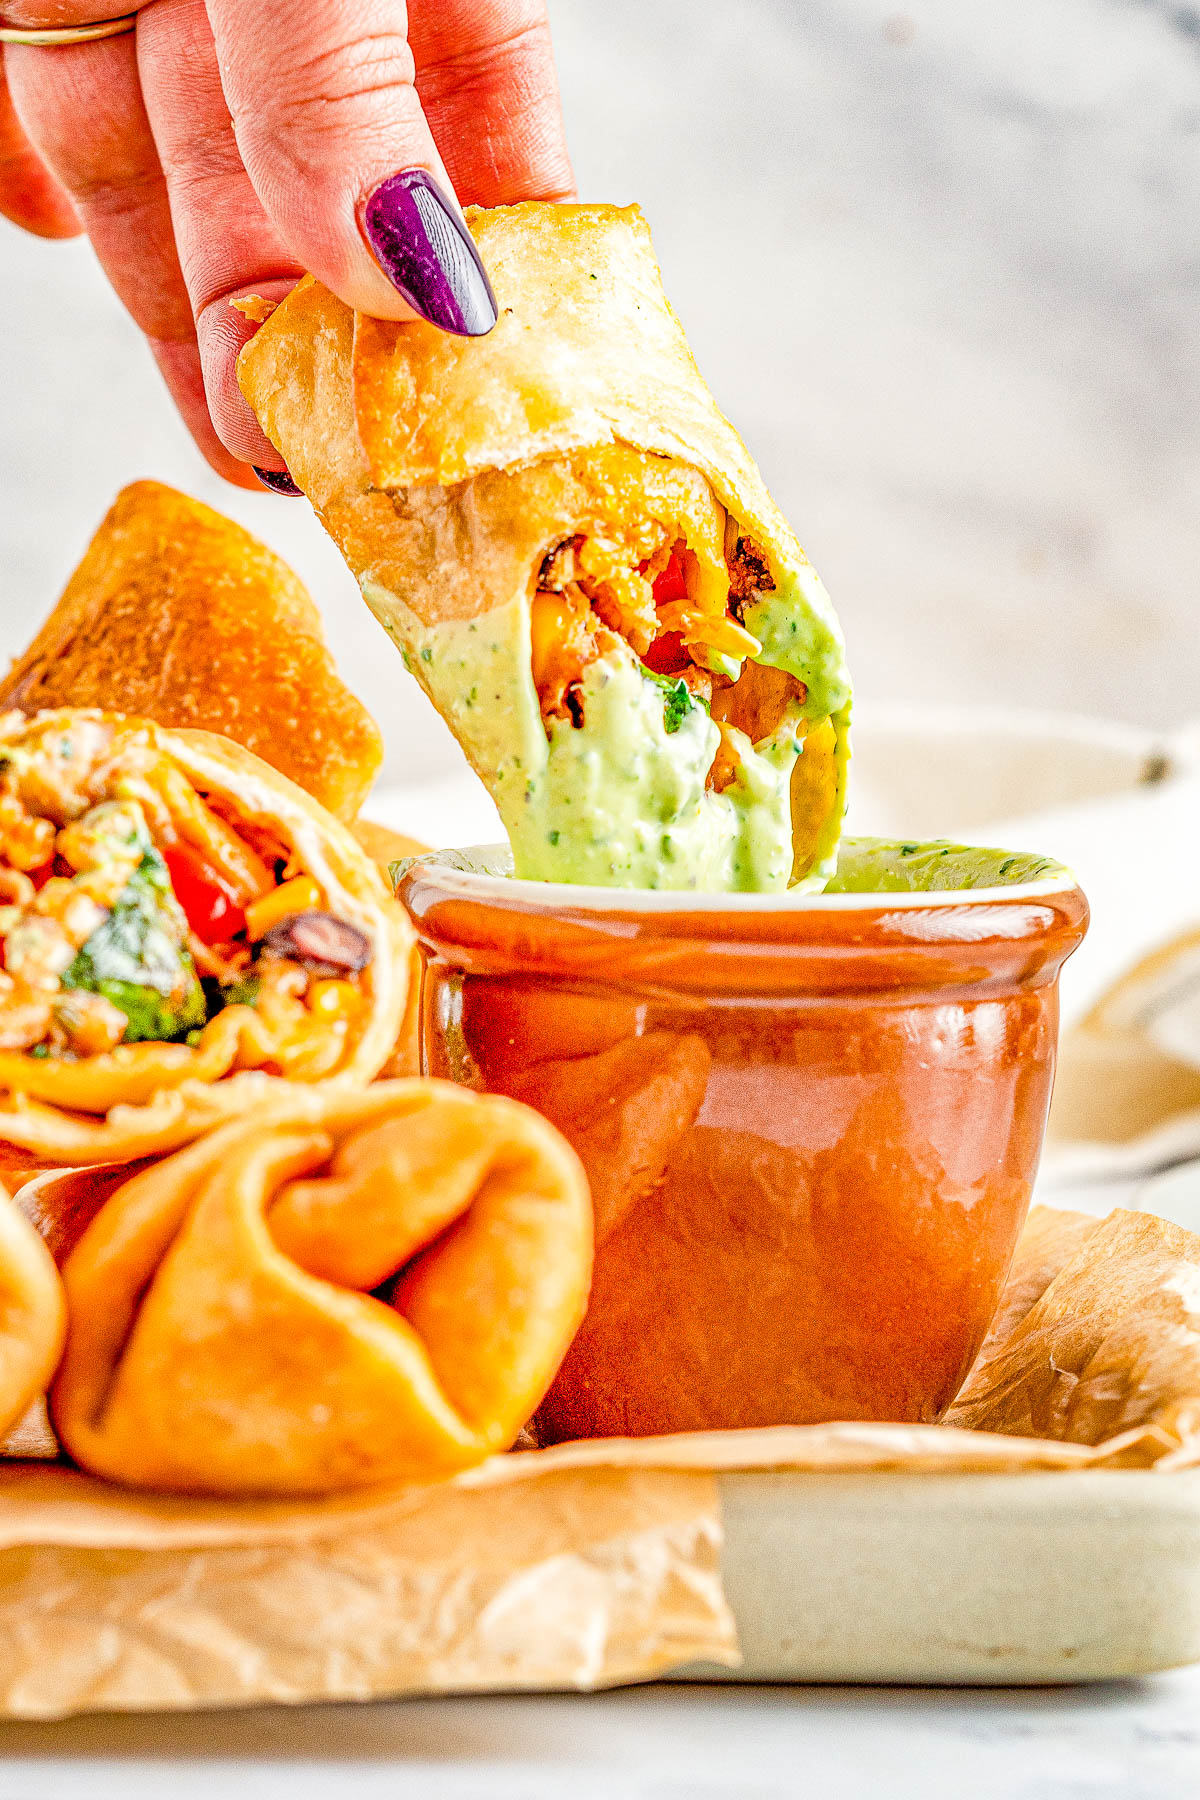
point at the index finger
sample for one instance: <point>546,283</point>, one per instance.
<point>327,106</point>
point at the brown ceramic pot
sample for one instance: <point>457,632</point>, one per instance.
<point>811,1126</point>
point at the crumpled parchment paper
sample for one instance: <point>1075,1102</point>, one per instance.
<point>574,1567</point>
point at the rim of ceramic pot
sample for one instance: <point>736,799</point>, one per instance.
<point>484,872</point>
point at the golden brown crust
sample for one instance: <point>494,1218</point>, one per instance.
<point>413,445</point>
<point>385,847</point>
<point>593,356</point>
<point>224,1337</point>
<point>177,614</point>
<point>139,1123</point>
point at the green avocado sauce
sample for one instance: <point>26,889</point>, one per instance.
<point>620,801</point>
<point>897,866</point>
<point>796,628</point>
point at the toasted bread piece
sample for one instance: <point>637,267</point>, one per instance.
<point>178,615</point>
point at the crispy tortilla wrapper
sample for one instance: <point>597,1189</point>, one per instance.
<point>60,1204</point>
<point>450,470</point>
<point>225,1336</point>
<point>571,1567</point>
<point>177,614</point>
<point>145,1098</point>
<point>386,848</point>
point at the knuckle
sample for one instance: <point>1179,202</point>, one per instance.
<point>114,196</point>
<point>342,92</point>
<point>209,158</point>
<point>525,57</point>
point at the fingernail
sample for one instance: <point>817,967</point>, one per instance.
<point>428,254</point>
<point>278,480</point>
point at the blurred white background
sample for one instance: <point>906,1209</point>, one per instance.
<point>940,264</point>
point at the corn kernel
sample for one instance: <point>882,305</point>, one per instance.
<point>334,999</point>
<point>717,632</point>
<point>728,637</point>
<point>299,895</point>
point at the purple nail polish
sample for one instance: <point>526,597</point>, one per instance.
<point>428,254</point>
<point>278,480</point>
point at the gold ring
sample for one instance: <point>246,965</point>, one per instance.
<point>67,34</point>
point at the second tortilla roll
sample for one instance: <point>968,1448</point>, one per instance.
<point>183,926</point>
<point>227,1332</point>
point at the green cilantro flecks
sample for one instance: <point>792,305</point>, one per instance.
<point>678,699</point>
<point>139,959</point>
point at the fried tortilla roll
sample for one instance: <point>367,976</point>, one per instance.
<point>355,1289</point>
<point>33,1315</point>
<point>178,615</point>
<point>578,560</point>
<point>387,850</point>
<point>179,924</point>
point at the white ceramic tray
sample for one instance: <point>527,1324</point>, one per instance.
<point>963,1579</point>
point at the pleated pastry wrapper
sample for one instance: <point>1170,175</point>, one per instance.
<point>575,1567</point>
<point>447,469</point>
<point>144,1099</point>
<point>225,1332</point>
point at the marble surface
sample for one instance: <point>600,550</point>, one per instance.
<point>938,260</point>
<point>1130,1741</point>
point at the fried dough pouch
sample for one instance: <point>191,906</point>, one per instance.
<point>349,1290</point>
<point>178,615</point>
<point>578,560</point>
<point>181,926</point>
<point>33,1315</point>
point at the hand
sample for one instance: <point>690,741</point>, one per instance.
<point>224,148</point>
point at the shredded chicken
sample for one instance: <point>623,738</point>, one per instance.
<point>598,584</point>
<point>25,1016</point>
<point>726,763</point>
<point>749,572</point>
<point>560,567</point>
<point>27,842</point>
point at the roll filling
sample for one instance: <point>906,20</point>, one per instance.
<point>173,913</point>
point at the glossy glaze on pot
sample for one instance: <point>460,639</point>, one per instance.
<point>811,1129</point>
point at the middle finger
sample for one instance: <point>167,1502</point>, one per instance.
<point>81,105</point>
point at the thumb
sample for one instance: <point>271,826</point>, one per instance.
<point>333,138</point>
